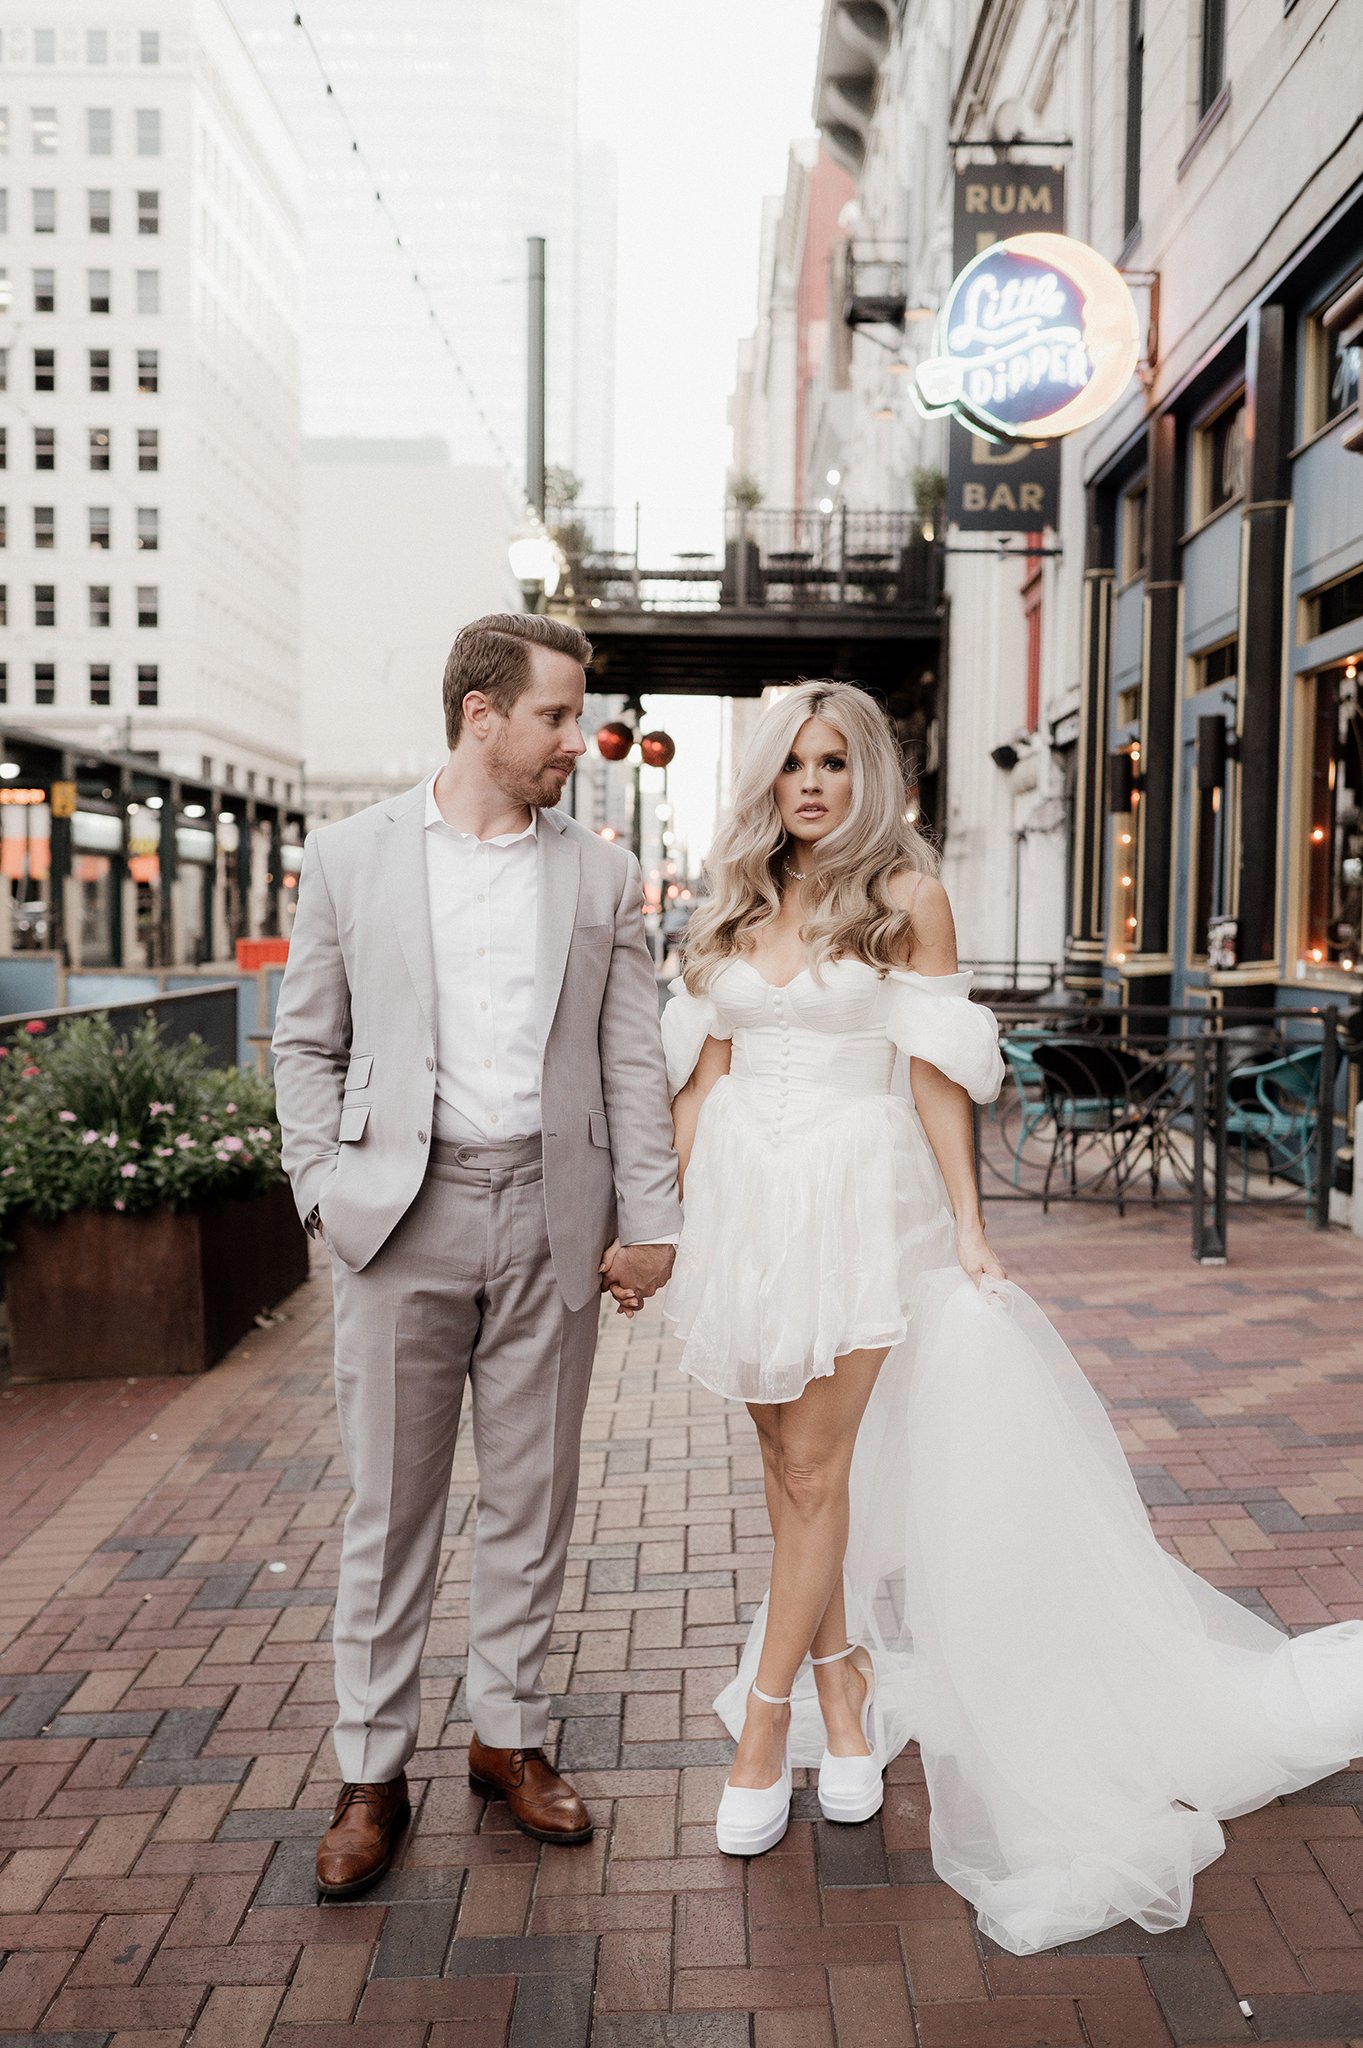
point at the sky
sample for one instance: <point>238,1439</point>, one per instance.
<point>701,100</point>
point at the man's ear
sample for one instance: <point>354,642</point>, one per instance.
<point>477,712</point>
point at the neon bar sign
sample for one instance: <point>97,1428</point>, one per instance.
<point>1038,336</point>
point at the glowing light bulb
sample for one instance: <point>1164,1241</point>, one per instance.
<point>1316,953</point>
<point>1318,833</point>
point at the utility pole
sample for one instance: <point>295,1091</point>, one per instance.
<point>534,422</point>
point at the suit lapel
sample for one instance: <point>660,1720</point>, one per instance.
<point>408,897</point>
<point>559,869</point>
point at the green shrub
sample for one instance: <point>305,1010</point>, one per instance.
<point>90,1119</point>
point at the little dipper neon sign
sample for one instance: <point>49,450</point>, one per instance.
<point>1038,336</point>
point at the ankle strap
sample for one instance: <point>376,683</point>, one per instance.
<point>836,1657</point>
<point>770,1699</point>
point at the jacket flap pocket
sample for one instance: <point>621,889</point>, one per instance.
<point>354,1117</point>
<point>600,1128</point>
<point>357,1073</point>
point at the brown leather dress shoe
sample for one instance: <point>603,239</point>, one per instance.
<point>357,1848</point>
<point>542,1803</point>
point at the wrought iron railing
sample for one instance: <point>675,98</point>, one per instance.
<point>772,560</point>
<point>1170,1107</point>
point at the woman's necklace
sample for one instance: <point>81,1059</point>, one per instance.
<point>795,874</point>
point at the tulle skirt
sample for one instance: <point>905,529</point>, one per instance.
<point>1087,1708</point>
<point>801,1248</point>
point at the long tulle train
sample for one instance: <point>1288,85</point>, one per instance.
<point>1087,1708</point>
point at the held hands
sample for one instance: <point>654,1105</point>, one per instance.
<point>972,1249</point>
<point>633,1272</point>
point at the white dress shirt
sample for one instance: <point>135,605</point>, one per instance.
<point>483,897</point>
<point>484,901</point>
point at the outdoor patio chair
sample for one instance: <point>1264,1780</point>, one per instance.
<point>1102,1095</point>
<point>1274,1104</point>
<point>1029,1085</point>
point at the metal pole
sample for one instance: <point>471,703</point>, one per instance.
<point>534,424</point>
<point>1018,838</point>
<point>741,560</point>
<point>1325,1116</point>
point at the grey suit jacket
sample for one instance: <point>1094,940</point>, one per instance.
<point>355,1041</point>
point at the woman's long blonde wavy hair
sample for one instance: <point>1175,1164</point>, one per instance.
<point>854,916</point>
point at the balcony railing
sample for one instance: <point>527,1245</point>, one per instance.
<point>773,560</point>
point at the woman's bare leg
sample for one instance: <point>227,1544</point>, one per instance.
<point>806,1457</point>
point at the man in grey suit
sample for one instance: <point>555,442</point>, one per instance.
<point>472,1092</point>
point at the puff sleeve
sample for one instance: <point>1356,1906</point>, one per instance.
<point>687,1022</point>
<point>931,1017</point>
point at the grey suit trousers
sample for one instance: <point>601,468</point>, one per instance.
<point>464,1289</point>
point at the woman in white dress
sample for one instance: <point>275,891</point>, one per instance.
<point>960,1554</point>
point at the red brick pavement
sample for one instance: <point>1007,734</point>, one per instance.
<point>165,1695</point>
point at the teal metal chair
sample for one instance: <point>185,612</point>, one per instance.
<point>1274,1104</point>
<point>1030,1088</point>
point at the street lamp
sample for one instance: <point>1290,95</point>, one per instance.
<point>535,564</point>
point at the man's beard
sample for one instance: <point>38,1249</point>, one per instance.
<point>540,788</point>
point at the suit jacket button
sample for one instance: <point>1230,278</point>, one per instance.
<point>421,1137</point>
<point>430,1064</point>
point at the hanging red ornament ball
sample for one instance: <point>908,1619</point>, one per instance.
<point>658,748</point>
<point>614,741</point>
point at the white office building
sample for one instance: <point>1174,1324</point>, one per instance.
<point>150,245</point>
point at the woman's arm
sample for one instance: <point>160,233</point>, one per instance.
<point>714,1060</point>
<point>944,1106</point>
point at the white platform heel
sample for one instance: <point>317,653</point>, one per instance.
<point>752,1819</point>
<point>852,1788</point>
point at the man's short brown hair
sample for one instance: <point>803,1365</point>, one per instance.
<point>493,655</point>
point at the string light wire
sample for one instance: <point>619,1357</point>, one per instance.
<point>423,289</point>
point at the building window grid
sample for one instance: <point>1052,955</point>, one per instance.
<point>44,210</point>
<point>100,683</point>
<point>149,213</point>
<point>100,288</point>
<point>99,131</point>
<point>148,528</point>
<point>148,124</point>
<point>44,682</point>
<point>44,369</point>
<point>44,604</point>
<point>1212,55</point>
<point>148,448</point>
<point>148,605</point>
<point>99,205</point>
<point>101,606</point>
<point>44,447</point>
<point>98,442</point>
<point>43,131</point>
<point>99,526</point>
<point>148,369</point>
<point>148,291</point>
<point>44,526</point>
<point>44,291</point>
<point>148,683</point>
<point>100,376</point>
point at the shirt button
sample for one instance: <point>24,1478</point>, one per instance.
<point>482,1006</point>
<point>430,1064</point>
<point>421,1137</point>
<point>482,898</point>
<point>487,1063</point>
<point>494,1118</point>
<point>481,951</point>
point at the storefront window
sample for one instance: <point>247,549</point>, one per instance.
<point>94,876</point>
<point>1219,460</point>
<point>1135,532</point>
<point>1123,915</point>
<point>1334,820</point>
<point>1333,360</point>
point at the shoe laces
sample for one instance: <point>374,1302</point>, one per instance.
<point>359,1795</point>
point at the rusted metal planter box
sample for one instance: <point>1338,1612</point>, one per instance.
<point>97,1295</point>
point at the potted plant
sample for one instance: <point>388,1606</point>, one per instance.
<point>143,1209</point>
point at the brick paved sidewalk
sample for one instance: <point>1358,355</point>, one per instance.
<point>170,1551</point>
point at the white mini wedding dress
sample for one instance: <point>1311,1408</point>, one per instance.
<point>1087,1708</point>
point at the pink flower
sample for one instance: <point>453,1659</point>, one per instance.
<point>4,1052</point>
<point>231,1109</point>
<point>29,1073</point>
<point>185,1142</point>
<point>89,1137</point>
<point>8,1171</point>
<point>66,1116</point>
<point>35,1027</point>
<point>230,1144</point>
<point>160,1109</point>
<point>128,1172</point>
<point>164,1151</point>
<point>112,1141</point>
<point>120,1205</point>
